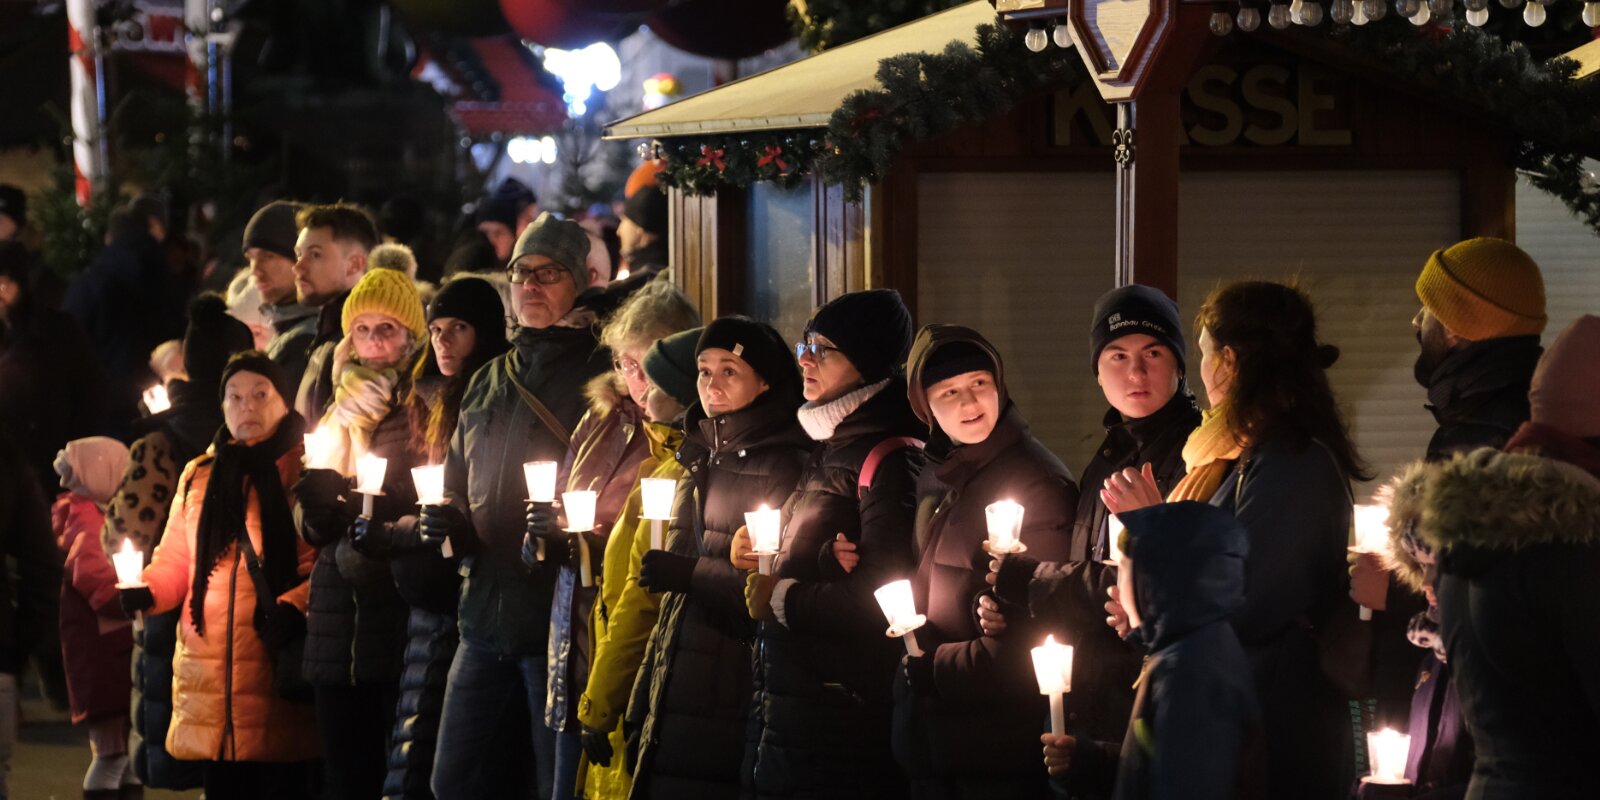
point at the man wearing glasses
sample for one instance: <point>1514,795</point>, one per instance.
<point>518,408</point>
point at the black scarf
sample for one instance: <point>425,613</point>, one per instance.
<point>222,513</point>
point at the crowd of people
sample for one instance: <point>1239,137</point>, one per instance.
<point>296,632</point>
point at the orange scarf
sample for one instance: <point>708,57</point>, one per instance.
<point>1209,455</point>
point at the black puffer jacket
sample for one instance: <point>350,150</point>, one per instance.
<point>356,619</point>
<point>821,722</point>
<point>693,694</point>
<point>976,734</point>
<point>432,645</point>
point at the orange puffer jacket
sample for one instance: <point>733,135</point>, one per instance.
<point>264,727</point>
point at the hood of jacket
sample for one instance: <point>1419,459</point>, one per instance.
<point>1498,501</point>
<point>606,392</point>
<point>1188,567</point>
<point>931,338</point>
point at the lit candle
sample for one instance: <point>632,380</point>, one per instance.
<point>156,400</point>
<point>370,470</point>
<point>1388,750</point>
<point>580,520</point>
<point>1052,666</point>
<point>1372,536</point>
<point>430,484</point>
<point>319,449</point>
<point>765,526</point>
<point>129,564</point>
<point>1005,527</point>
<point>541,478</point>
<point>656,496</point>
<point>900,609</point>
<point>1114,539</point>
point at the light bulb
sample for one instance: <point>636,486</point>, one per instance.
<point>1278,16</point>
<point>1249,19</point>
<point>1591,14</point>
<point>1036,39</point>
<point>1311,14</point>
<point>1221,23</point>
<point>1422,16</point>
<point>1510,3</point>
<point>1477,16</point>
<point>1533,14</point>
<point>1295,7</point>
<point>1060,35</point>
<point>1376,9</point>
<point>1342,11</point>
<point>1358,13</point>
<point>1440,8</point>
<point>1407,8</point>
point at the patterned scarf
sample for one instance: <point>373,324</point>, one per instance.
<point>363,397</point>
<point>1209,455</point>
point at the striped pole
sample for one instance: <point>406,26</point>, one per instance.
<point>88,168</point>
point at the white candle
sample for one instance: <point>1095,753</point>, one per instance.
<point>1005,526</point>
<point>370,470</point>
<point>658,535</point>
<point>580,520</point>
<point>319,449</point>
<point>766,529</point>
<point>1052,667</point>
<point>129,564</point>
<point>1114,539</point>
<point>900,609</point>
<point>1372,536</point>
<point>156,400</point>
<point>541,478</point>
<point>1387,751</point>
<point>656,496</point>
<point>430,484</point>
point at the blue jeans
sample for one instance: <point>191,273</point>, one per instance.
<point>486,694</point>
<point>569,748</point>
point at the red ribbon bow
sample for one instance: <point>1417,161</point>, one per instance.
<point>709,156</point>
<point>773,154</point>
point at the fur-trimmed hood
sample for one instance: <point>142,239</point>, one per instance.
<point>605,392</point>
<point>1492,500</point>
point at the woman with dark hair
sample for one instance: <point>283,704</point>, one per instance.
<point>1274,450</point>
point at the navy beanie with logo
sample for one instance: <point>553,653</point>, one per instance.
<point>1135,309</point>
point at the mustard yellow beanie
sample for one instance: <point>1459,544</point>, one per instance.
<point>1484,289</point>
<point>385,291</point>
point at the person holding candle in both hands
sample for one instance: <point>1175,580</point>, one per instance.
<point>626,612</point>
<point>1274,451</point>
<point>743,448</point>
<point>356,624</point>
<point>821,720</point>
<point>227,714</point>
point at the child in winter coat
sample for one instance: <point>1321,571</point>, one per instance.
<point>96,638</point>
<point>1195,715</point>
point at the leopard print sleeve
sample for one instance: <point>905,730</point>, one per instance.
<point>139,509</point>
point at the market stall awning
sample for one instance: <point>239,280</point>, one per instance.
<point>804,93</point>
<point>524,106</point>
<point>1588,58</point>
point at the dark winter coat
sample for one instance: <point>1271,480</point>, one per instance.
<point>820,726</point>
<point>502,607</point>
<point>316,382</point>
<point>1070,596</point>
<point>1479,394</point>
<point>127,302</point>
<point>1518,538</point>
<point>96,639</point>
<point>977,733</point>
<point>1439,764</point>
<point>52,387</point>
<point>1195,731</point>
<point>28,615</point>
<point>294,330</point>
<point>1294,501</point>
<point>429,650</point>
<point>607,447</point>
<point>692,699</point>
<point>356,618</point>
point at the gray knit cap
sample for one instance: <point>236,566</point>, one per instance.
<point>560,240</point>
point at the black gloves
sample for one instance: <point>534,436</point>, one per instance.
<point>441,522</point>
<point>323,495</point>
<point>280,625</point>
<point>661,571</point>
<point>596,744</point>
<point>1012,579</point>
<point>386,538</point>
<point>919,674</point>
<point>544,525</point>
<point>135,599</point>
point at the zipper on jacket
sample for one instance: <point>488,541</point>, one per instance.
<point>227,664</point>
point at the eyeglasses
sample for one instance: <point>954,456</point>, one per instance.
<point>627,366</point>
<point>541,275</point>
<point>815,350</point>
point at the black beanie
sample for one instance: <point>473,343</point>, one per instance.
<point>1135,309</point>
<point>273,228</point>
<point>475,301</point>
<point>759,345</point>
<point>647,208</point>
<point>872,329</point>
<point>955,358</point>
<point>501,209</point>
<point>261,364</point>
<point>213,336</point>
<point>473,253</point>
<point>670,365</point>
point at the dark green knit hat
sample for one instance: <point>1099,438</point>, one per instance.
<point>560,240</point>
<point>670,365</point>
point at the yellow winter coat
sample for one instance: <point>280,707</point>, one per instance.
<point>623,619</point>
<point>265,727</point>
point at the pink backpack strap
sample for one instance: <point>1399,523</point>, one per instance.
<point>880,451</point>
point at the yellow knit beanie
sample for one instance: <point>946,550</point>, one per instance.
<point>1484,289</point>
<point>385,291</point>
